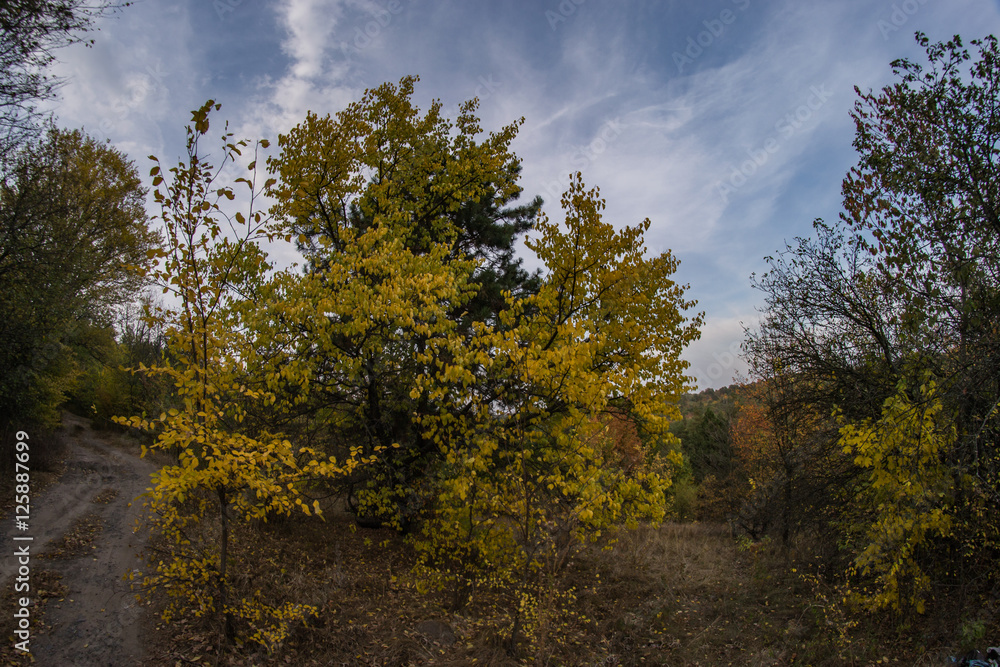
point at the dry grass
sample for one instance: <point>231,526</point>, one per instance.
<point>681,594</point>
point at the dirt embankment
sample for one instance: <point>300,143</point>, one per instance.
<point>98,621</point>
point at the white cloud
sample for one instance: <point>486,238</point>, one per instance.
<point>716,359</point>
<point>131,80</point>
<point>678,137</point>
<point>309,25</point>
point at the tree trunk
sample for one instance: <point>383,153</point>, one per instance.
<point>228,632</point>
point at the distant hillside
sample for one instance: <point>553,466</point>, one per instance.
<point>720,400</point>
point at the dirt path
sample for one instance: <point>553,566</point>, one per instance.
<point>97,623</point>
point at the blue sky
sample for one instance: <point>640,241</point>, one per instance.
<point>723,121</point>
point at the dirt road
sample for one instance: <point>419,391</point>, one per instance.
<point>97,623</point>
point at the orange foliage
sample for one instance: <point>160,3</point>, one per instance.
<point>753,437</point>
<point>622,438</point>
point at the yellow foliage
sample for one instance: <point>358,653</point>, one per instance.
<point>531,467</point>
<point>908,490</point>
<point>223,469</point>
<point>536,424</point>
<point>371,193</point>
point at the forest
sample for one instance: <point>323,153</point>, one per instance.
<point>407,448</point>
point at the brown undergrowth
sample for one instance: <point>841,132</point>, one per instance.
<point>681,594</point>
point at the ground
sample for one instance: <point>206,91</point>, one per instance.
<point>680,594</point>
<point>83,544</point>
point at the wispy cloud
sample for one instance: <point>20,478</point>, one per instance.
<point>309,25</point>
<point>601,93</point>
<point>127,85</point>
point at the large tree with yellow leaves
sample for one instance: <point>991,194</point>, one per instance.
<point>510,436</point>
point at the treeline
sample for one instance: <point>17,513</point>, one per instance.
<point>871,420</point>
<point>72,227</point>
<point>410,367</point>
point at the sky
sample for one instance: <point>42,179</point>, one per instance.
<point>725,122</point>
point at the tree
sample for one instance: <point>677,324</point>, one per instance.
<point>30,32</point>
<point>908,494</point>
<point>382,180</point>
<point>831,320</point>
<point>829,340</point>
<point>926,190</point>
<point>72,222</point>
<point>546,454</point>
<point>706,486</point>
<point>510,439</point>
<point>707,443</point>
<point>749,498</point>
<point>228,467</point>
<point>788,458</point>
<point>487,230</point>
<point>889,321</point>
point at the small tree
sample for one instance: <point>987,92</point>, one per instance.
<point>907,497</point>
<point>535,458</point>
<point>226,467</point>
